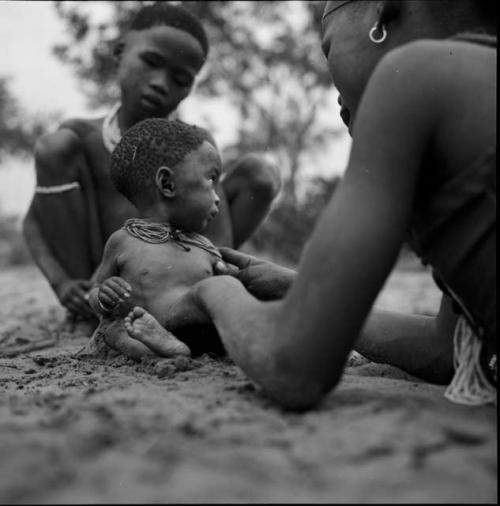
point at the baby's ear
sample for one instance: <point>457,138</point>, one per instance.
<point>165,181</point>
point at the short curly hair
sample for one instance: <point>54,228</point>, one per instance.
<point>165,14</point>
<point>147,146</point>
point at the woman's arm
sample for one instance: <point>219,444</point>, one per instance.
<point>386,336</point>
<point>296,349</point>
<point>358,237</point>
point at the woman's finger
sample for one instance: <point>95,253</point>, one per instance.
<point>241,260</point>
<point>223,268</point>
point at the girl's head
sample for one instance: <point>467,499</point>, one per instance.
<point>356,34</point>
<point>158,60</point>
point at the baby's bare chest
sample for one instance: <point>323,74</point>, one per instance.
<point>166,265</point>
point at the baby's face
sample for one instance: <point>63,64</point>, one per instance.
<point>196,202</point>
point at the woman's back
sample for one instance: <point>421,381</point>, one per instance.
<point>453,225</point>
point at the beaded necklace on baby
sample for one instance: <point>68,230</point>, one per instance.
<point>160,232</point>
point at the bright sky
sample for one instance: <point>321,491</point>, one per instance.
<point>42,85</point>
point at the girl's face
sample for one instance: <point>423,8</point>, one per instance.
<point>157,69</point>
<point>350,54</point>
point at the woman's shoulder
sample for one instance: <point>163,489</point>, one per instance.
<point>438,54</point>
<point>435,66</point>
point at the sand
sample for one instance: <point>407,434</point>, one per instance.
<point>96,431</point>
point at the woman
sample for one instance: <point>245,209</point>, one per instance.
<point>421,107</point>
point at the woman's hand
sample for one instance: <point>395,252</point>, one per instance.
<point>265,280</point>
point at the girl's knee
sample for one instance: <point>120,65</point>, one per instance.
<point>260,175</point>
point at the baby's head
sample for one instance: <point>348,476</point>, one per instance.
<point>168,170</point>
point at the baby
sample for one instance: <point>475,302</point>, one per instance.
<point>169,171</point>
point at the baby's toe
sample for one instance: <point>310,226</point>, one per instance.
<point>134,331</point>
<point>137,312</point>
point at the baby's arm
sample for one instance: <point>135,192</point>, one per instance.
<point>111,290</point>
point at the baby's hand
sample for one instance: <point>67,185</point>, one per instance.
<point>112,292</point>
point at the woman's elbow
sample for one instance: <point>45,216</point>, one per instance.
<point>297,397</point>
<point>300,386</point>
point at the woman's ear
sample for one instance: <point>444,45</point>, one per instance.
<point>388,11</point>
<point>165,181</point>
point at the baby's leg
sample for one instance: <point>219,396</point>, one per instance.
<point>143,327</point>
<point>116,336</point>
<point>186,311</point>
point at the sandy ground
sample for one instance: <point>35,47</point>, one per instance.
<point>93,430</point>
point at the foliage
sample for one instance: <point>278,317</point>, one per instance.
<point>285,233</point>
<point>17,132</point>
<point>265,61</point>
<point>241,52</point>
<point>13,249</point>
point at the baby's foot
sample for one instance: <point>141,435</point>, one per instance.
<point>145,328</point>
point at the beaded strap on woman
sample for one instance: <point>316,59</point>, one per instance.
<point>483,39</point>
<point>160,232</point>
<point>470,385</point>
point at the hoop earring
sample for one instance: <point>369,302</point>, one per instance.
<point>374,29</point>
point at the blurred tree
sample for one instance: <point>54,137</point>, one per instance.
<point>17,131</point>
<point>283,235</point>
<point>13,250</point>
<point>265,60</point>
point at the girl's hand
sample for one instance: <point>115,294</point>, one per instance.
<point>113,292</point>
<point>265,280</point>
<point>72,295</point>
